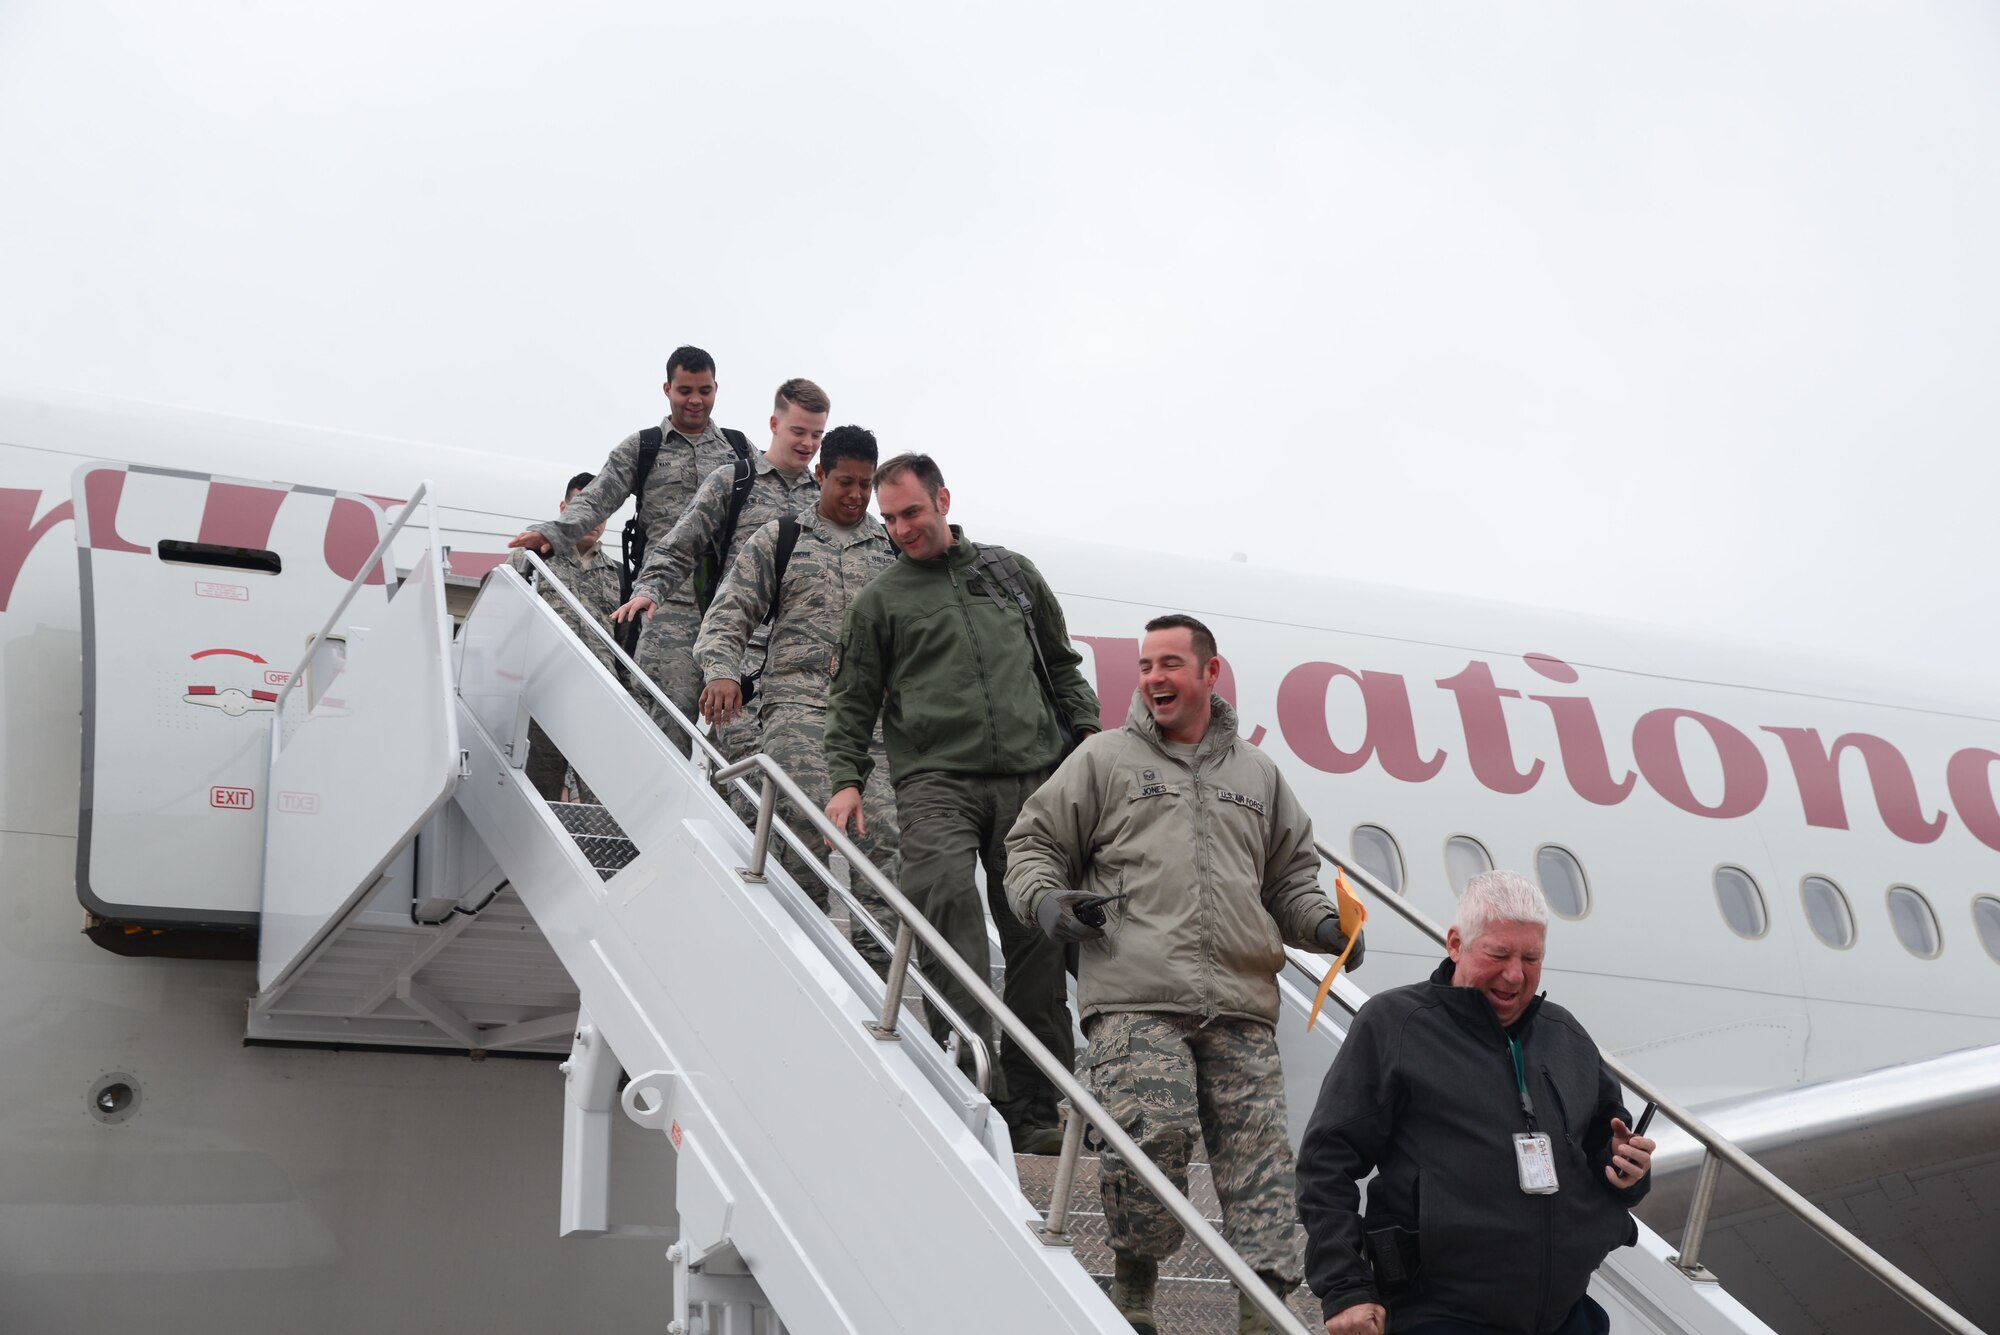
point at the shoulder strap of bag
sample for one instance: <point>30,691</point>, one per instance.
<point>788,539</point>
<point>632,538</point>
<point>1002,571</point>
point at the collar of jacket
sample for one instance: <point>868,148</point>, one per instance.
<point>961,554</point>
<point>1470,1007</point>
<point>761,463</point>
<point>1221,734</point>
<point>868,530</point>
<point>709,432</point>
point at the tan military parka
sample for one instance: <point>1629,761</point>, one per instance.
<point>1217,862</point>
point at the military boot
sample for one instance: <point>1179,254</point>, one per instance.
<point>1133,1279</point>
<point>1250,1321</point>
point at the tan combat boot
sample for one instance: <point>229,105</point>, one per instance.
<point>1250,1321</point>
<point>1133,1279</point>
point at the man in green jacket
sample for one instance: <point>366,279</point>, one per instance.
<point>939,648</point>
<point>1176,857</point>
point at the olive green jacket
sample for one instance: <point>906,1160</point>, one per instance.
<point>951,674</point>
<point>1216,862</point>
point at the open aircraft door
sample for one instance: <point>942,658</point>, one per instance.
<point>199,594</point>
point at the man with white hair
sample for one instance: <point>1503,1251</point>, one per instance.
<point>1497,1100</point>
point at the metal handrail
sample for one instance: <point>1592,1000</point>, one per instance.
<point>912,926</point>
<point>1718,1150</point>
<point>982,1059</point>
<point>354,586</point>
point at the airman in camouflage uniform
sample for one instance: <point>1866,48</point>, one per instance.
<point>691,448</point>
<point>781,484</point>
<point>1177,860</point>
<point>593,579</point>
<point>838,548</point>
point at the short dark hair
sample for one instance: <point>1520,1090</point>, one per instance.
<point>920,466</point>
<point>1203,638</point>
<point>803,394</point>
<point>847,442</point>
<point>691,359</point>
<point>578,483</point>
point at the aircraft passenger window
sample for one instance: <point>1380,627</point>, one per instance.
<point>1827,912</point>
<point>1562,881</point>
<point>1916,926</point>
<point>1375,849</point>
<point>1465,858</point>
<point>1986,917</point>
<point>1742,902</point>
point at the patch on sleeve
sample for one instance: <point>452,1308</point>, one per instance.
<point>1244,800</point>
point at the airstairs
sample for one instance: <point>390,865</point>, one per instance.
<point>832,1168</point>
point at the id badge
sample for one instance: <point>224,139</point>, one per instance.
<point>1536,1162</point>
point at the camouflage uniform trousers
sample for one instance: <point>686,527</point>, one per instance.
<point>666,654</point>
<point>1168,1078</point>
<point>950,824</point>
<point>795,736</point>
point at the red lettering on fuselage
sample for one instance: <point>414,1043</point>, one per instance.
<point>1656,747</point>
<point>20,531</point>
<point>1581,741</point>
<point>1390,736</point>
<point>1487,744</point>
<point>240,516</point>
<point>1969,779</point>
<point>352,530</point>
<point>1817,768</point>
<point>245,515</point>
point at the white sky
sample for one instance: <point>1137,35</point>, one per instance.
<point>1688,312</point>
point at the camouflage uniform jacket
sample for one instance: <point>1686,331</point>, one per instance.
<point>1215,857</point>
<point>773,495</point>
<point>670,487</point>
<point>827,568</point>
<point>594,581</point>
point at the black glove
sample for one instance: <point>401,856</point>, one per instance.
<point>1056,916</point>
<point>1332,942</point>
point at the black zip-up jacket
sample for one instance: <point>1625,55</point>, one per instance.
<point>1423,1090</point>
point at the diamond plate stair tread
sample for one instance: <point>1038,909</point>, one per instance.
<point>597,836</point>
<point>584,818</point>
<point>1194,1296</point>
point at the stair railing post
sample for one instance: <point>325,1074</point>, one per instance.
<point>892,992</point>
<point>1699,1205</point>
<point>1056,1229</point>
<point>760,846</point>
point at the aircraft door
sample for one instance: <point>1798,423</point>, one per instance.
<point>199,594</point>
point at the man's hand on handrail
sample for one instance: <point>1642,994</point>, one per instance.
<point>530,538</point>
<point>630,610</point>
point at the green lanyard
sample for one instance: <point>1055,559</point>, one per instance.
<point>1521,1081</point>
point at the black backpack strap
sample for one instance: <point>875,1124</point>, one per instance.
<point>788,539</point>
<point>632,539</point>
<point>712,565</point>
<point>737,441</point>
<point>1002,571</point>
<point>650,441</point>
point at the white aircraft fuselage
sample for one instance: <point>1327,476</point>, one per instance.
<point>305,1189</point>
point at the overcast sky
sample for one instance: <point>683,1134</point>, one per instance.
<point>1685,312</point>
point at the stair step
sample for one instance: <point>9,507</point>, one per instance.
<point>1195,1297</point>
<point>597,836</point>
